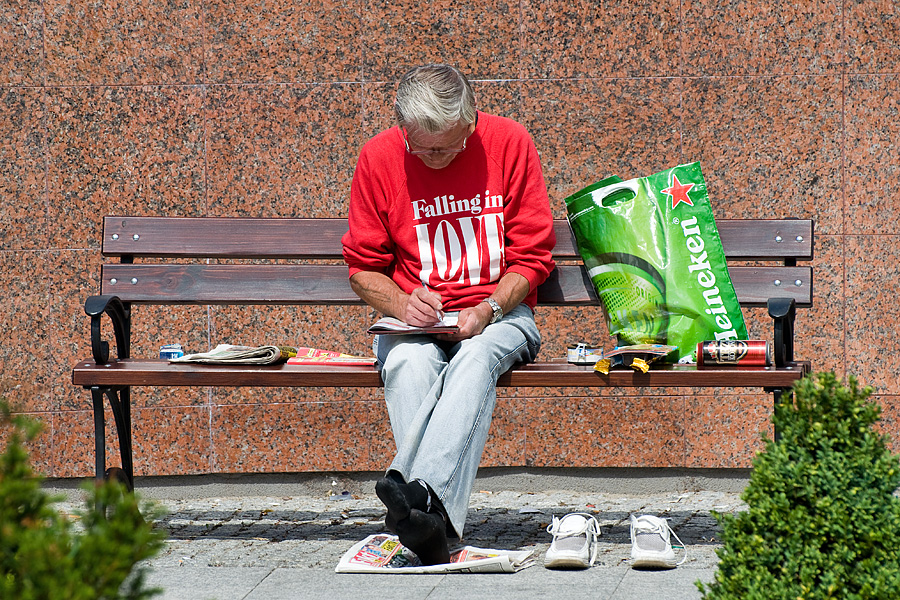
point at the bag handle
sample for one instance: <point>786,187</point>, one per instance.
<point>631,185</point>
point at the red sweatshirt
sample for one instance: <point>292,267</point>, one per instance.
<point>458,229</point>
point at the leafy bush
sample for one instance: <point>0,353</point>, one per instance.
<point>822,518</point>
<point>43,555</point>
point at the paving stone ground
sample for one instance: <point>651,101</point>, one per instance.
<point>313,532</point>
<point>255,546</point>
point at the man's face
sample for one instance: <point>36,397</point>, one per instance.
<point>437,150</point>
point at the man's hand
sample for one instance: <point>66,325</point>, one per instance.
<point>472,321</point>
<point>423,308</point>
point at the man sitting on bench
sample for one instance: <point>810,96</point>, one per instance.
<point>448,212</point>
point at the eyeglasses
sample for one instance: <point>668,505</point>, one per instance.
<point>404,135</point>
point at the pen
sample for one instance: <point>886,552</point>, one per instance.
<point>438,313</point>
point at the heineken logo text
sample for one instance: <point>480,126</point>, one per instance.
<point>699,265</point>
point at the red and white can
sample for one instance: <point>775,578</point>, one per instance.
<point>742,353</point>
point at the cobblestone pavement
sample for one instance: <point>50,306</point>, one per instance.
<point>251,540</point>
<point>313,532</point>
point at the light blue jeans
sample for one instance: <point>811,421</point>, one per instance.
<point>440,397</point>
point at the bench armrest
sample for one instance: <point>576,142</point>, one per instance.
<point>782,311</point>
<point>95,307</point>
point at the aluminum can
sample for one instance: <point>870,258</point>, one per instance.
<point>170,351</point>
<point>583,354</point>
<point>743,353</point>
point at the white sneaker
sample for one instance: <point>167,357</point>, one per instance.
<point>575,543</point>
<point>650,545</point>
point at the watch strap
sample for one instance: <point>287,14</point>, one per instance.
<point>498,311</point>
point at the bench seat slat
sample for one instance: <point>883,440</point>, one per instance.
<point>328,284</point>
<point>234,237</point>
<point>556,373</point>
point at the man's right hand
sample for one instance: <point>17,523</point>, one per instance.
<point>423,308</point>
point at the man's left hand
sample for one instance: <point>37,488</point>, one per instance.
<point>472,321</point>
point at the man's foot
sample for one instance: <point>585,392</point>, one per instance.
<point>423,532</point>
<point>426,535</point>
<point>400,499</point>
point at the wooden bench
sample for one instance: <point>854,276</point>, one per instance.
<point>767,276</point>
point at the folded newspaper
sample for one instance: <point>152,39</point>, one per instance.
<point>317,356</point>
<point>227,354</point>
<point>449,323</point>
<point>383,553</point>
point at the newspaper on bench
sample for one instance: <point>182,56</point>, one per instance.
<point>383,553</point>
<point>228,354</point>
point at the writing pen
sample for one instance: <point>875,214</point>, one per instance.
<point>439,314</point>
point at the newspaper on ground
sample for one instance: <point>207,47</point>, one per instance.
<point>383,553</point>
<point>228,354</point>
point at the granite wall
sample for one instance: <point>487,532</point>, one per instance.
<point>191,108</point>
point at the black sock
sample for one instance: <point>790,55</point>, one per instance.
<point>426,535</point>
<point>419,495</point>
<point>400,498</point>
<point>392,493</point>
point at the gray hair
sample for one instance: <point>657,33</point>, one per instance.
<point>434,98</point>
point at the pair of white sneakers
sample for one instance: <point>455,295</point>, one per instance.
<point>576,542</point>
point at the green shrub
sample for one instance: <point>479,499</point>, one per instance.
<point>43,555</point>
<point>822,518</point>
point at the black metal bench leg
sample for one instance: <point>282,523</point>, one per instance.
<point>777,395</point>
<point>122,414</point>
<point>120,402</point>
<point>99,433</point>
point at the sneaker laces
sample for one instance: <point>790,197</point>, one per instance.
<point>658,527</point>
<point>590,525</point>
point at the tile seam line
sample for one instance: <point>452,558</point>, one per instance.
<point>44,43</point>
<point>845,81</point>
<point>209,313</point>
<point>207,84</point>
<point>48,206</point>
<point>875,234</point>
<point>260,582</point>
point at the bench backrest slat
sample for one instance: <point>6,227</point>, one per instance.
<point>319,239</point>
<point>765,239</point>
<point>328,284</point>
<point>229,284</point>
<point>223,237</point>
<point>235,237</point>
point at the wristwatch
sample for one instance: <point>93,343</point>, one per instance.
<point>498,312</point>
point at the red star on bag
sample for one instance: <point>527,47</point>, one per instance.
<point>679,192</point>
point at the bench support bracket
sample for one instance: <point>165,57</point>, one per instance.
<point>119,396</point>
<point>783,311</point>
<point>120,315</point>
<point>120,402</point>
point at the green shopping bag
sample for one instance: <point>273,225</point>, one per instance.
<point>652,250</point>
